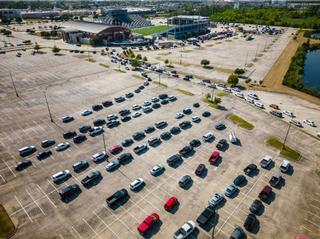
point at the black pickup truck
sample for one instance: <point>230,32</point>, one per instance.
<point>205,216</point>
<point>118,195</point>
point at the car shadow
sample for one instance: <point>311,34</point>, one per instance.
<point>139,188</point>
<point>94,183</point>
<point>120,203</point>
<point>211,223</point>
<point>143,151</point>
<point>175,208</point>
<point>156,144</point>
<point>261,210</point>
<point>270,198</point>
<point>218,162</point>
<point>189,155</point>
<point>153,230</point>
<point>188,186</point>
<point>203,174</point>
<point>177,164</point>
<point>194,234</point>
<point>235,194</point>
<point>256,227</point>
<point>270,166</point>
<point>243,183</point>
<point>126,161</point>
<point>225,148</point>
<point>290,171</point>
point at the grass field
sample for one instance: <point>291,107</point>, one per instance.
<point>160,84</point>
<point>150,30</point>
<point>7,227</point>
<point>241,122</point>
<point>286,152</point>
<point>185,92</point>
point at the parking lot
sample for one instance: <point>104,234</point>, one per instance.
<point>72,85</point>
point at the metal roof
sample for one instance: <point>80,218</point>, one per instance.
<point>91,27</point>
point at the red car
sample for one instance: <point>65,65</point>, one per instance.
<point>115,149</point>
<point>214,156</point>
<point>148,223</point>
<point>265,192</point>
<point>171,202</point>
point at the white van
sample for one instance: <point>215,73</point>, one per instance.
<point>59,176</point>
<point>284,166</point>
<point>233,138</point>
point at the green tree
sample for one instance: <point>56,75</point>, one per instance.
<point>166,61</point>
<point>205,62</point>
<point>96,41</point>
<point>233,79</point>
<point>135,63</point>
<point>217,100</point>
<point>139,57</point>
<point>145,58</point>
<point>55,50</point>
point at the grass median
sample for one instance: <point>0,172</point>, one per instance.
<point>7,228</point>
<point>286,151</point>
<point>160,84</point>
<point>185,92</point>
<point>241,122</point>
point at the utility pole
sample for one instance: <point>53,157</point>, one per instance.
<point>180,58</point>
<point>14,86</point>
<point>285,139</point>
<point>104,144</point>
<point>49,112</point>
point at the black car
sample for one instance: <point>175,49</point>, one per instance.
<point>154,141</point>
<point>91,178</point>
<point>80,166</point>
<point>161,124</point>
<point>44,154</point>
<point>113,123</point>
<point>125,118</point>
<point>163,96</point>
<point>186,150</point>
<point>239,180</point>
<point>79,139</point>
<point>97,107</point>
<point>67,119</point>
<point>165,135</point>
<point>187,111</point>
<point>85,128</point>
<point>141,87</point>
<point>175,130</point>
<point>129,95</point>
<point>256,207</point>
<point>149,129</point>
<point>99,122</point>
<point>119,99</point>
<point>184,181</point>
<point>206,114</point>
<point>221,144</point>
<point>138,135</point>
<point>195,143</point>
<point>185,124</point>
<point>250,222</point>
<point>238,233</point>
<point>164,102</point>
<point>196,105</point>
<point>124,157</point>
<point>107,103</point>
<point>69,191</point>
<point>23,165</point>
<point>137,91</point>
<point>127,142</point>
<point>124,112</point>
<point>69,134</point>
<point>174,159</point>
<point>156,106</point>
<point>47,143</point>
<point>250,169</point>
<point>220,126</point>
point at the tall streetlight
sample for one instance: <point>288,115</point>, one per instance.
<point>285,138</point>
<point>104,144</point>
<point>49,111</point>
<point>14,86</point>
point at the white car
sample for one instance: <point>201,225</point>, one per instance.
<point>259,104</point>
<point>240,95</point>
<point>253,96</point>
<point>266,161</point>
<point>216,200</point>
<point>62,146</point>
<point>136,183</point>
<point>284,166</point>
<point>196,119</point>
<point>156,169</point>
<point>288,113</point>
<point>112,117</point>
<point>136,114</point>
<point>296,122</point>
<point>136,107</point>
<point>59,176</point>
<point>99,156</point>
<point>112,165</point>
<point>309,122</point>
<point>86,112</point>
<point>249,100</point>
<point>179,115</point>
<point>208,136</point>
<point>233,138</point>
<point>185,230</point>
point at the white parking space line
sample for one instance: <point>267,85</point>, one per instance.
<point>40,189</point>
<point>77,233</point>
<point>314,224</point>
<point>207,234</point>
<point>8,167</point>
<point>23,208</point>
<point>313,199</point>
<point>315,206</point>
<point>107,226</point>
<point>55,189</point>
<point>91,228</point>
<point>303,226</point>
<point>35,202</point>
<point>2,179</point>
<point>235,209</point>
<point>61,236</point>
<point>313,214</point>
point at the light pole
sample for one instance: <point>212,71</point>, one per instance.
<point>49,111</point>
<point>285,138</point>
<point>14,86</point>
<point>104,144</point>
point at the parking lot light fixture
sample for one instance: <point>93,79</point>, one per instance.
<point>46,100</point>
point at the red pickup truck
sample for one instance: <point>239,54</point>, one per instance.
<point>148,223</point>
<point>264,194</point>
<point>214,156</point>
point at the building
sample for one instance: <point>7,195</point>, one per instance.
<point>82,32</point>
<point>10,14</point>
<point>186,26</point>
<point>123,17</point>
<point>54,13</point>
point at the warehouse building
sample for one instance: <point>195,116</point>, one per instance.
<point>82,32</point>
